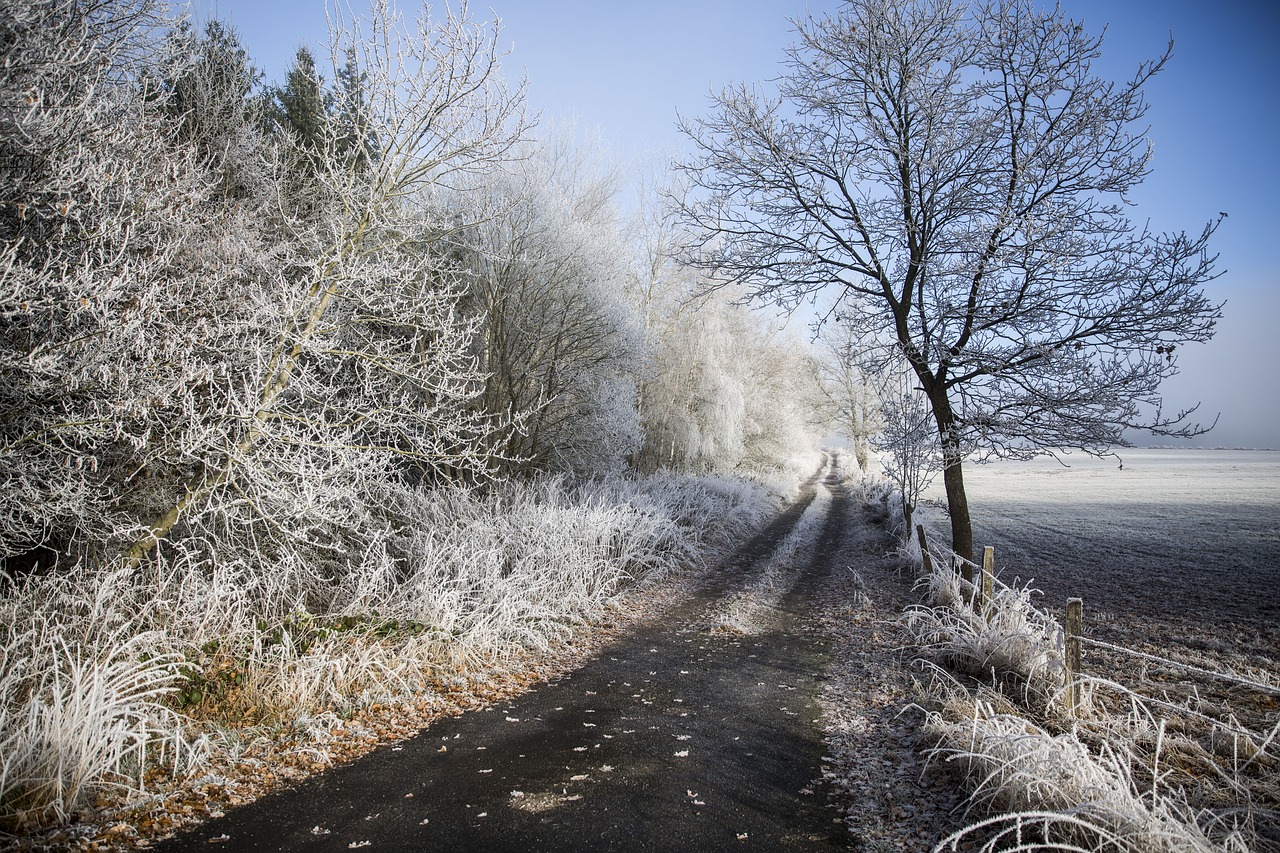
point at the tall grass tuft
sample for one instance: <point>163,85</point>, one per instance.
<point>1053,792</point>
<point>77,721</point>
<point>1008,641</point>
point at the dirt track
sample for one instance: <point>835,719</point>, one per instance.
<point>676,737</point>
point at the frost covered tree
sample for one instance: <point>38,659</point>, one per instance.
<point>722,390</point>
<point>179,357</point>
<point>205,83</point>
<point>113,284</point>
<point>558,339</point>
<point>959,174</point>
<point>364,371</point>
<point>907,440</point>
<point>849,391</point>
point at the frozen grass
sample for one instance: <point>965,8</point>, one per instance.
<point>74,723</point>
<point>1008,642</point>
<point>1128,772</point>
<point>1053,792</point>
<point>103,673</point>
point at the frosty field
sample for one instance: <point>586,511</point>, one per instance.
<point>1171,530</point>
<point>1177,549</point>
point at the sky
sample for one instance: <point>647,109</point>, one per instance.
<point>626,69</point>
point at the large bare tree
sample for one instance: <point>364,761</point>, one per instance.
<point>961,176</point>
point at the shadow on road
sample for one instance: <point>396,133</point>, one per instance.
<point>676,737</point>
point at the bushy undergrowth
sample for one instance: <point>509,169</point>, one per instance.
<point>103,672</point>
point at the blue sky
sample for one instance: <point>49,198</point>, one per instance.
<point>626,68</point>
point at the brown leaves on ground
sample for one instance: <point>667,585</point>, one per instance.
<point>267,752</point>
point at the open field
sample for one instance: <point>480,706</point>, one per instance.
<point>1195,532</point>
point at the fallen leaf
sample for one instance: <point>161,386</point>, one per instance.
<point>578,778</point>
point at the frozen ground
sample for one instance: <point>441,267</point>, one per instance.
<point>1173,530</point>
<point>1177,554</point>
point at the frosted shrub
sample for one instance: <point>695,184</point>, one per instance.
<point>1053,792</point>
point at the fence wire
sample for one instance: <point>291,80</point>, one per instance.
<point>1256,685</point>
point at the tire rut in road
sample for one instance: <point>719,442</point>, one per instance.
<point>673,738</point>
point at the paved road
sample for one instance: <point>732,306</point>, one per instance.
<point>674,738</point>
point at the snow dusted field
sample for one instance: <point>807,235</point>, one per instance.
<point>1194,529</point>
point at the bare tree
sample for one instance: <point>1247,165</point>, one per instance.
<point>849,390</point>
<point>960,175</point>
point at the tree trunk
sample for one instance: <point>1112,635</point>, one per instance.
<point>957,505</point>
<point>953,477</point>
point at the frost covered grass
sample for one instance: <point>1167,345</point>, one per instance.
<point>1007,641</point>
<point>1047,791</point>
<point>1147,761</point>
<point>74,722</point>
<point>106,673</point>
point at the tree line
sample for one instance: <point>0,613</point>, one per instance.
<point>241,311</point>
<point>238,315</point>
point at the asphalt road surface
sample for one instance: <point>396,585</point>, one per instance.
<point>676,737</point>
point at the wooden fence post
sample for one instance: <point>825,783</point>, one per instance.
<point>988,573</point>
<point>926,561</point>
<point>1073,628</point>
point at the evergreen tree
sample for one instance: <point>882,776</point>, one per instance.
<point>299,111</point>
